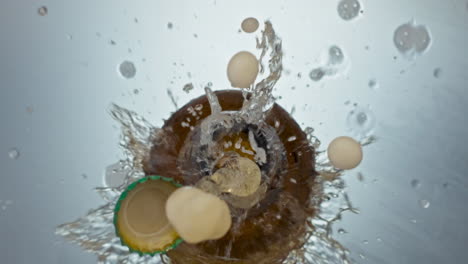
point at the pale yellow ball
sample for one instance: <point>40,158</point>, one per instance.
<point>242,69</point>
<point>250,25</point>
<point>197,215</point>
<point>345,153</point>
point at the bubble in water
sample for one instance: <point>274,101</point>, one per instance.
<point>127,69</point>
<point>42,11</point>
<point>335,55</point>
<point>170,25</point>
<point>115,175</point>
<point>317,74</point>
<point>437,72</point>
<point>361,121</point>
<point>348,9</point>
<point>13,154</point>
<point>424,204</point>
<point>188,87</point>
<point>415,183</point>
<point>410,39</point>
<point>373,84</point>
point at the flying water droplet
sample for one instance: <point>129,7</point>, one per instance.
<point>335,55</point>
<point>348,9</point>
<point>424,204</point>
<point>317,74</point>
<point>361,121</point>
<point>188,87</point>
<point>42,11</point>
<point>411,39</point>
<point>365,242</point>
<point>437,73</point>
<point>415,184</point>
<point>170,25</point>
<point>13,153</point>
<point>127,69</point>
<point>373,84</point>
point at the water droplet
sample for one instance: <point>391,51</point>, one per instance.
<point>342,231</point>
<point>188,87</point>
<point>348,9</point>
<point>362,256</point>
<point>115,175</point>
<point>112,42</point>
<point>373,84</point>
<point>127,69</point>
<point>424,204</point>
<point>317,74</point>
<point>360,176</point>
<point>335,55</point>
<point>84,176</point>
<point>29,109</point>
<point>415,183</point>
<point>135,20</point>
<point>170,25</point>
<point>42,11</point>
<point>361,121</point>
<point>69,37</point>
<point>378,239</point>
<point>292,138</point>
<point>414,221</point>
<point>13,153</point>
<point>195,35</point>
<point>437,72</point>
<point>411,39</point>
<point>136,91</point>
<point>365,242</point>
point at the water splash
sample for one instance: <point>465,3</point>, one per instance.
<point>95,231</point>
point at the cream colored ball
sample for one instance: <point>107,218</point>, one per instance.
<point>345,153</point>
<point>242,69</point>
<point>250,25</point>
<point>198,216</point>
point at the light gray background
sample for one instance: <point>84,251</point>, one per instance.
<point>70,83</point>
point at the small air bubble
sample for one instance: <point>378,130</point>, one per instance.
<point>317,74</point>
<point>127,69</point>
<point>13,154</point>
<point>415,183</point>
<point>437,72</point>
<point>188,87</point>
<point>42,11</point>
<point>348,9</point>
<point>424,204</point>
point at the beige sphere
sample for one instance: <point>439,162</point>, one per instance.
<point>345,153</point>
<point>242,69</point>
<point>250,25</point>
<point>198,216</point>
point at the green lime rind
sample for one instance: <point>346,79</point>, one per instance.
<point>122,197</point>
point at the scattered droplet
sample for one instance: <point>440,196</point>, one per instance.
<point>195,35</point>
<point>414,221</point>
<point>365,242</point>
<point>411,39</point>
<point>127,69</point>
<point>29,109</point>
<point>69,37</point>
<point>291,138</point>
<point>112,42</point>
<point>335,55</point>
<point>362,256</point>
<point>84,176</point>
<point>373,84</point>
<point>170,25</point>
<point>437,72</point>
<point>13,154</point>
<point>348,9</point>
<point>342,231</point>
<point>415,183</point>
<point>115,175</point>
<point>188,87</point>
<point>378,239</point>
<point>424,204</point>
<point>360,176</point>
<point>317,74</point>
<point>42,11</point>
<point>361,121</point>
<point>136,91</point>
